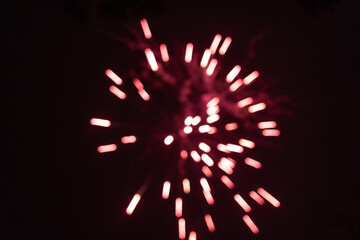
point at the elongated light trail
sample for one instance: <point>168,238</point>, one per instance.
<point>224,47</point>
<point>205,58</point>
<point>135,200</point>
<point>128,139</point>
<point>195,156</point>
<point>250,224</point>
<point>257,107</point>
<point>215,43</point>
<point>231,126</point>
<point>242,203</point>
<point>206,171</point>
<point>211,67</point>
<point>227,182</point>
<point>208,197</point>
<point>164,53</point>
<point>253,163</point>
<point>207,160</point>
<point>246,143</point>
<point>100,122</point>
<point>186,186</point>
<point>189,52</point>
<point>146,29</point>
<point>166,190</point>
<point>271,133</point>
<point>257,198</point>
<point>245,102</point>
<point>107,148</point>
<point>182,228</point>
<point>233,73</point>
<point>178,207</point>
<point>117,92</point>
<point>268,124</point>
<point>251,77</point>
<point>151,59</point>
<point>209,223</point>
<point>268,197</point>
<point>235,85</point>
<point>192,235</point>
<point>116,79</point>
<point>204,147</point>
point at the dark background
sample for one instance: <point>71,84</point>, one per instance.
<point>56,186</point>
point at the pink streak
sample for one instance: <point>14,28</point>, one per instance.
<point>205,58</point>
<point>257,107</point>
<point>113,77</point>
<point>245,102</point>
<point>253,163</point>
<point>257,198</point>
<point>164,53</point>
<point>146,29</point>
<point>246,143</point>
<point>215,44</point>
<point>233,73</point>
<point>251,77</point>
<point>117,92</point>
<point>128,139</point>
<point>250,224</point>
<point>271,133</point>
<point>100,122</point>
<point>209,223</point>
<point>166,190</point>
<point>211,67</point>
<point>107,148</point>
<point>188,52</point>
<point>151,59</point>
<point>133,204</point>
<point>242,203</point>
<point>268,197</point>
<point>268,124</point>
<point>224,47</point>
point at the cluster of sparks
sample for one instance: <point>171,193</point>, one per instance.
<point>204,153</point>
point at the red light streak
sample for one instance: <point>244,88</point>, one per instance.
<point>231,126</point>
<point>206,171</point>
<point>250,224</point>
<point>211,67</point>
<point>234,148</point>
<point>204,147</point>
<point>213,102</point>
<point>113,77</point>
<point>182,228</point>
<point>224,47</point>
<point>205,185</point>
<point>196,120</point>
<point>271,133</point>
<point>253,163</point>
<point>246,143</point>
<point>204,128</point>
<point>100,122</point>
<point>168,140</point>
<point>128,139</point>
<point>268,124</point>
<point>207,160</point>
<point>192,236</point>
<point>228,162</point>
<point>164,53</point>
<point>151,59</point>
<point>245,102</point>
<point>187,129</point>
<point>145,28</point>
<point>212,118</point>
<point>205,58</point>
<point>233,73</point>
<point>178,207</point>
<point>117,92</point>
<point>221,147</point>
<point>135,200</point>
<point>138,84</point>
<point>188,52</point>
<point>209,223</point>
<point>226,168</point>
<point>144,95</point>
<point>208,197</point>
<point>107,148</point>
<point>166,190</point>
<point>195,156</point>
<point>213,110</point>
<point>257,107</point>
<point>257,198</point>
<point>242,203</point>
<point>251,77</point>
<point>215,44</point>
<point>227,182</point>
<point>268,197</point>
<point>186,186</point>
<point>235,85</point>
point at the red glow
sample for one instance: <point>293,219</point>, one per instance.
<point>234,148</point>
<point>113,77</point>
<point>166,190</point>
<point>186,186</point>
<point>213,110</point>
<point>271,133</point>
<point>208,197</point>
<point>192,236</point>
<point>196,120</point>
<point>135,200</point>
<point>268,197</point>
<point>268,124</point>
<point>233,73</point>
<point>227,182</point>
<point>188,52</point>
<point>182,228</point>
<point>188,120</point>
<point>235,85</point>
<point>251,77</point>
<point>257,198</point>
<point>205,185</point>
<point>224,47</point>
<point>245,102</point>
<point>253,163</point>
<point>212,130</point>
<point>250,224</point>
<point>178,207</point>
<point>226,168</point>
<point>195,156</point>
<point>242,203</point>
<point>257,107</point>
<point>212,118</point>
<point>213,102</point>
<point>117,92</point>
<point>187,129</point>
<point>231,126</point>
<point>183,154</point>
<point>211,67</point>
<point>107,148</point>
<point>209,223</point>
<point>164,53</point>
<point>128,139</point>
<point>100,122</point>
<point>146,29</point>
<point>215,44</point>
<point>151,59</point>
<point>207,160</point>
<point>227,162</point>
<point>205,58</point>
<point>221,147</point>
<point>168,140</point>
<point>246,143</point>
<point>204,128</point>
<point>144,95</point>
<point>206,171</point>
<point>138,84</point>
<point>204,147</point>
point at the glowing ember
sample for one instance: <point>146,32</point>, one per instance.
<point>245,102</point>
<point>227,182</point>
<point>192,236</point>
<point>268,124</point>
<point>206,171</point>
<point>204,147</point>
<point>231,126</point>
<point>257,107</point>
<point>186,186</point>
<point>211,67</point>
<point>195,156</point>
<point>246,143</point>
<point>207,160</point>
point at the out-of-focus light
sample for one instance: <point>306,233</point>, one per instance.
<point>192,235</point>
<point>268,197</point>
<point>231,126</point>
<point>235,85</point>
<point>233,73</point>
<point>168,140</point>
<point>128,139</point>
<point>178,207</point>
<point>268,124</point>
<point>257,107</point>
<point>209,223</point>
<point>245,102</point>
<point>242,203</point>
<point>116,79</point>
<point>107,148</point>
<point>186,186</point>
<point>196,120</point>
<point>205,58</point>
<point>208,197</point>
<point>144,95</point>
<point>251,77</point>
<point>138,84</point>
<point>188,120</point>
<point>257,198</point>
<point>246,143</point>
<point>228,162</point>
<point>211,67</point>
<point>146,29</point>
<point>207,160</point>
<point>195,156</point>
<point>206,171</point>
<point>212,130</point>
<point>234,148</point>
<point>205,185</point>
<point>188,52</point>
<point>253,163</point>
<point>187,129</point>
<point>215,44</point>
<point>224,47</point>
<point>135,200</point>
<point>204,147</point>
<point>250,224</point>
<point>226,168</point>
<point>151,59</point>
<point>183,154</point>
<point>212,118</point>
<point>204,128</point>
<point>213,102</point>
<point>227,182</point>
<point>166,190</point>
<point>213,110</point>
<point>117,92</point>
<point>164,53</point>
<point>271,133</point>
<point>182,228</point>
<point>222,147</point>
<point>100,122</point>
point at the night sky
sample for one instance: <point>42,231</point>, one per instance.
<point>55,184</point>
